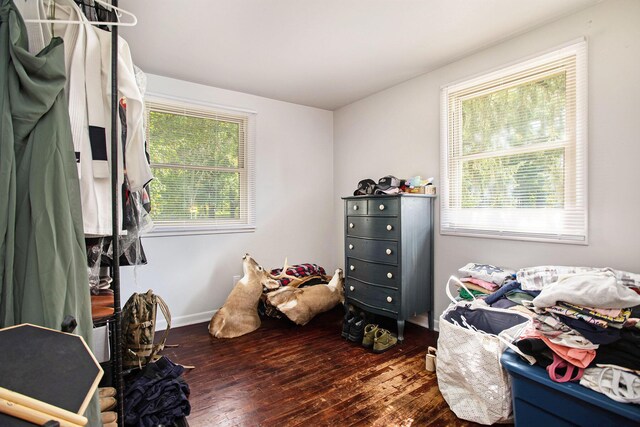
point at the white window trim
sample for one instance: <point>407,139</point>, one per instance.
<point>169,230</point>
<point>576,47</point>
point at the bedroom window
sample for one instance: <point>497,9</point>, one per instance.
<point>514,149</point>
<point>203,166</point>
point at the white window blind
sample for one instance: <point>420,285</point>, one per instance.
<point>202,160</point>
<point>514,151</point>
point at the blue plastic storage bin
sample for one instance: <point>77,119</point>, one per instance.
<point>538,401</point>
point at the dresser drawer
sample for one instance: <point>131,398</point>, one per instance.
<point>357,207</point>
<point>380,274</point>
<point>373,226</point>
<point>372,250</point>
<point>373,296</point>
<point>384,206</point>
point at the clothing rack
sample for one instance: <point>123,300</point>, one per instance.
<point>115,231</point>
<point>115,323</point>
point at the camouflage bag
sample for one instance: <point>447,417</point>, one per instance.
<point>138,329</point>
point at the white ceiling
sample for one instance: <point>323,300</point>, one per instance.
<point>321,53</point>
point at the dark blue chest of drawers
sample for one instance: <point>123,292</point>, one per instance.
<point>389,255</point>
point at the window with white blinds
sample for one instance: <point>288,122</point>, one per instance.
<point>514,151</point>
<point>202,160</point>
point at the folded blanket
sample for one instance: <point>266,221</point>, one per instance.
<point>299,270</point>
<point>487,272</point>
<point>537,278</point>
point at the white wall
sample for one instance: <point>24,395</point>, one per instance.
<point>294,175</point>
<point>397,132</point>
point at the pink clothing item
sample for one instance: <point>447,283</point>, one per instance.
<point>487,285</point>
<point>471,286</point>
<point>576,356</point>
<point>559,363</point>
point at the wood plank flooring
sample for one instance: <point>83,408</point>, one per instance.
<point>288,375</point>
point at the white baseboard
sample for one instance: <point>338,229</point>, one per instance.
<point>190,319</point>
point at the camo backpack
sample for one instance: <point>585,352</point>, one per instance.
<point>138,329</point>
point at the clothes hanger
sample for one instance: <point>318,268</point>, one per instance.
<point>119,12</point>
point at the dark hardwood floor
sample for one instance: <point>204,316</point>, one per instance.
<point>288,375</point>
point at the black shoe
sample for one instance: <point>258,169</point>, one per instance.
<point>356,331</point>
<point>349,318</point>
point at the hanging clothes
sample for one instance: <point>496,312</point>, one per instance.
<point>49,275</point>
<point>43,273</point>
<point>96,191</point>
<point>138,169</point>
<point>88,91</point>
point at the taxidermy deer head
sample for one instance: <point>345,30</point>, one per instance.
<point>239,314</point>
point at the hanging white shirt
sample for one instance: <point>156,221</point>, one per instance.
<point>97,191</point>
<point>138,169</point>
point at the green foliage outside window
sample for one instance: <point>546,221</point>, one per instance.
<point>198,168</point>
<point>525,118</point>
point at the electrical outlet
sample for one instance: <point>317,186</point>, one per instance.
<point>236,279</point>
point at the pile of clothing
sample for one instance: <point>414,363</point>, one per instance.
<point>585,322</point>
<point>497,286</point>
<point>156,395</point>
<point>588,318</point>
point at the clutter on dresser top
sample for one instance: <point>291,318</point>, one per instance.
<point>390,185</point>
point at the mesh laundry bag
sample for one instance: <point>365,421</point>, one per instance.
<point>472,338</point>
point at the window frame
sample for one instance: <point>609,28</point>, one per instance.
<point>575,144</point>
<point>247,121</point>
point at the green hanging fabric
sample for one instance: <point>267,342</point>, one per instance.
<point>7,178</point>
<point>43,264</point>
<point>44,273</point>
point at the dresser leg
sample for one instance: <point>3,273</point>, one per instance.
<point>400,330</point>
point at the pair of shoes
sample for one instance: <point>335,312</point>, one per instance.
<point>106,392</point>
<point>353,326</point>
<point>383,340</point>
<point>109,417</point>
<point>369,335</point>
<point>349,318</point>
<point>356,330</point>
<point>107,403</point>
<point>430,359</point>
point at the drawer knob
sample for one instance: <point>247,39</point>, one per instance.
<point>388,251</point>
<point>390,276</point>
<point>381,207</point>
<point>352,288</point>
<point>355,207</point>
<point>389,227</point>
<point>389,299</point>
<point>350,246</point>
<point>351,225</point>
<point>352,267</point>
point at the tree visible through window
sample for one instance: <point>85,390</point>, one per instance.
<point>200,162</point>
<point>526,117</point>
<point>514,151</point>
